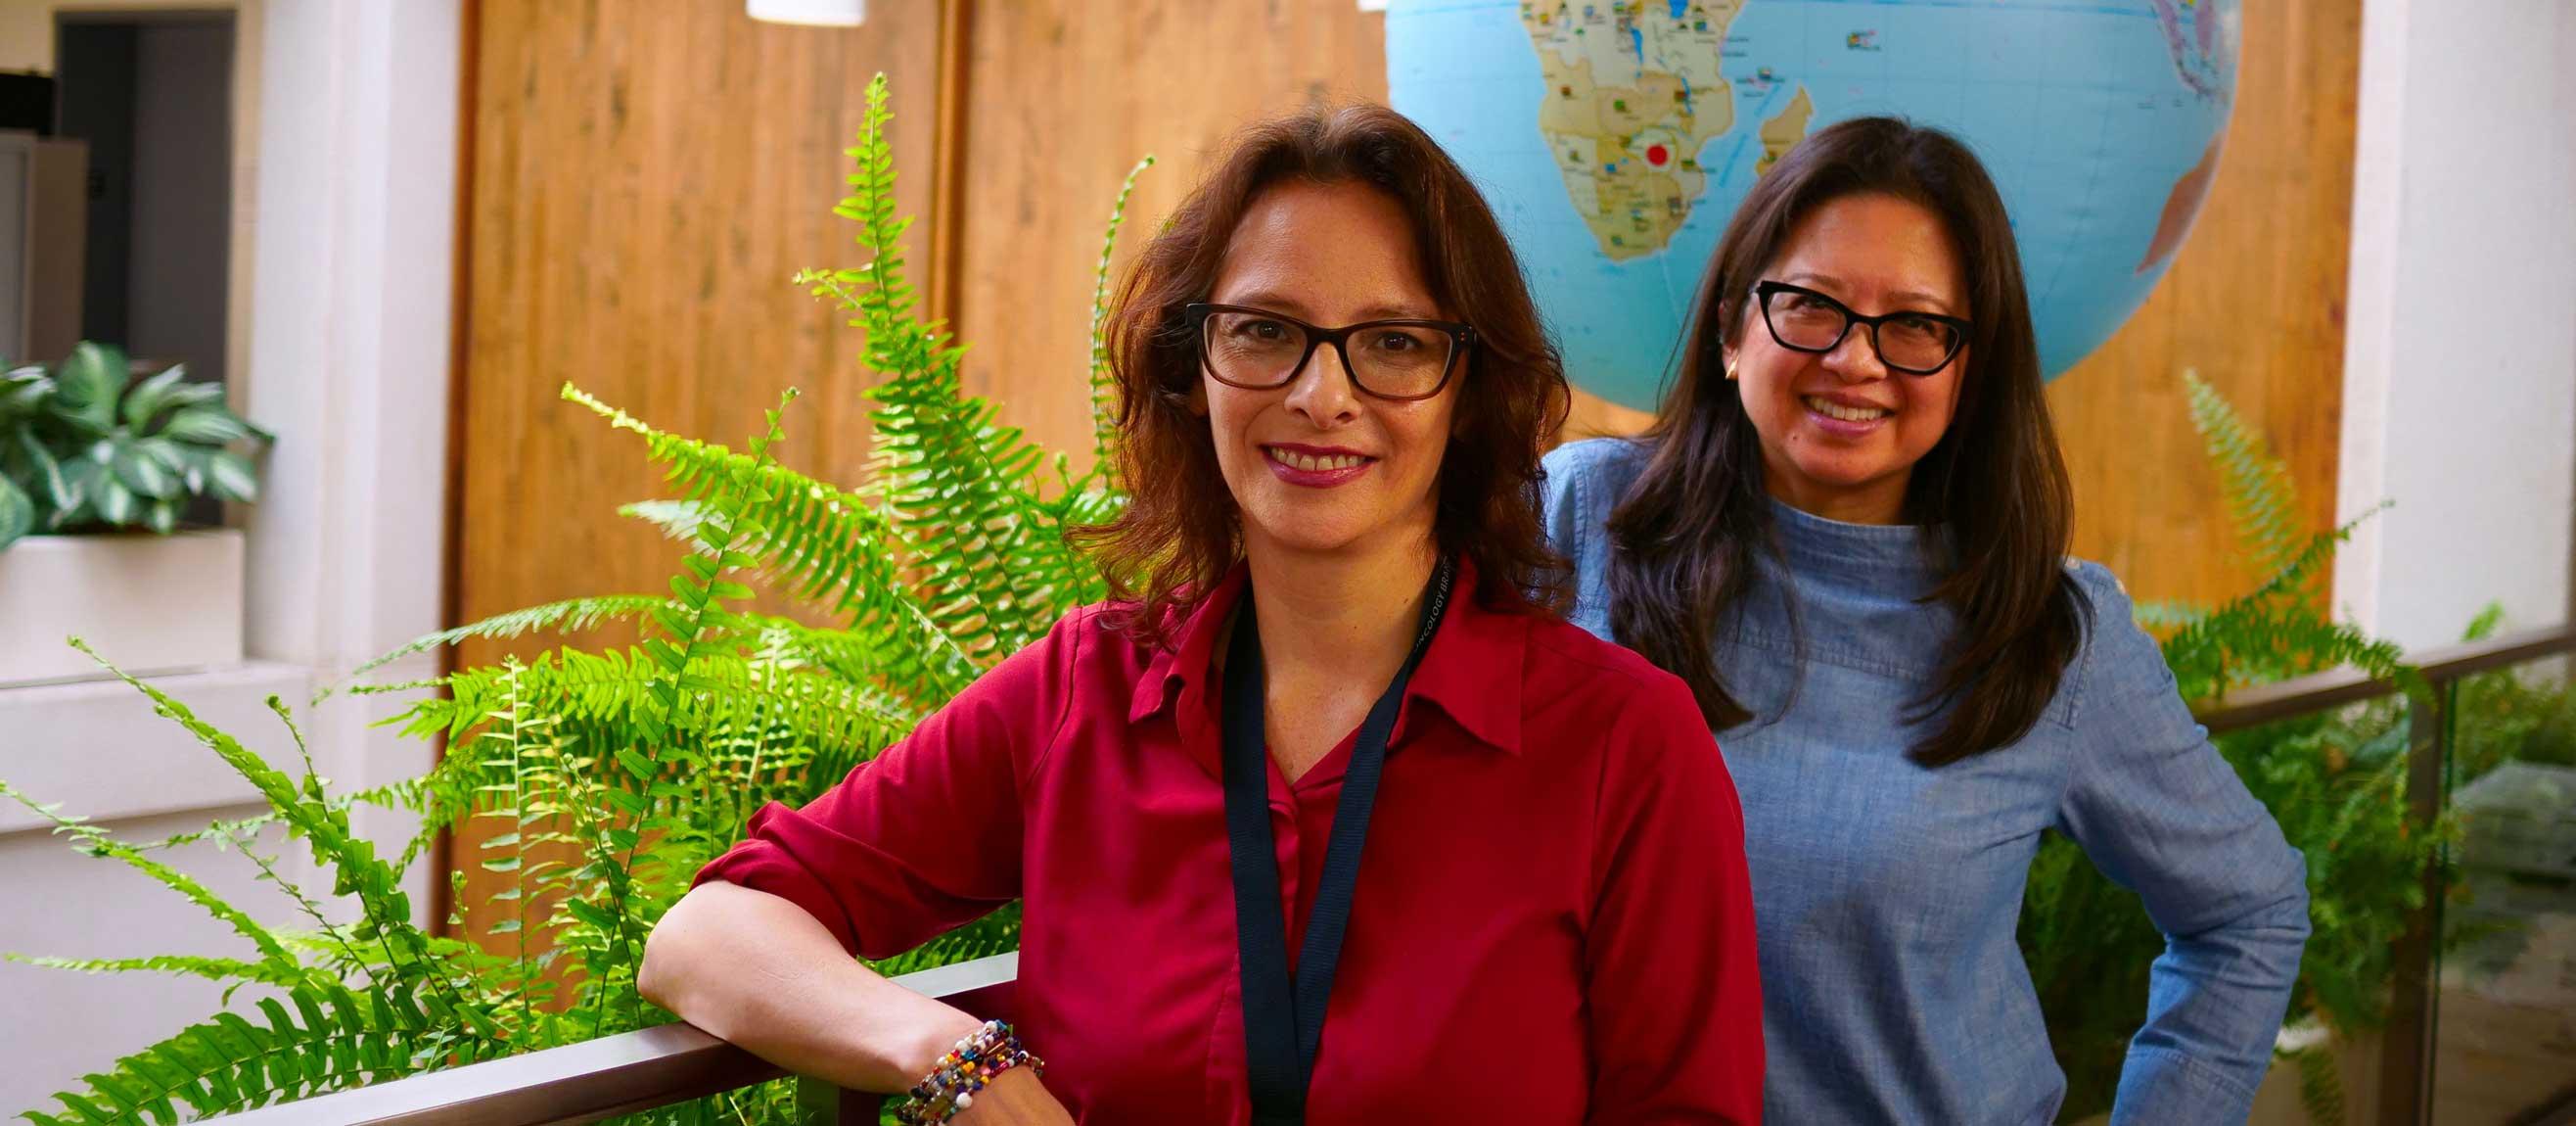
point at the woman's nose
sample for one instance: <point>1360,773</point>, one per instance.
<point>1324,391</point>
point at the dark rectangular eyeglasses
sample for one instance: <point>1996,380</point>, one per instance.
<point>1803,320</point>
<point>1256,349</point>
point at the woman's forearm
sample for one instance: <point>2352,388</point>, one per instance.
<point>758,971</point>
<point>2214,1007</point>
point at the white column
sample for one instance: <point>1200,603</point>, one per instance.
<point>354,247</point>
<point>2460,355</point>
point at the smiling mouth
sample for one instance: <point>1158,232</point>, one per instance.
<point>1831,409</point>
<point>1315,463</point>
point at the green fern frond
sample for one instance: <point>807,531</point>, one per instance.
<point>281,965</point>
<point>725,692</point>
<point>232,970</point>
<point>2166,615</point>
<point>2248,643</point>
<point>2262,499</point>
<point>2320,1086</point>
<point>997,933</point>
<point>701,587</point>
<point>2489,619</point>
<point>572,615</point>
<point>827,545</point>
<point>357,870</point>
<point>331,1039</point>
<point>960,487</point>
<point>838,555</point>
<point>1104,386</point>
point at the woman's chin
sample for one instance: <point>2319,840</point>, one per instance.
<point>1311,539</point>
<point>1846,474</point>
<point>1834,482</point>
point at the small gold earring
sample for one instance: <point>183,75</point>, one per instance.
<point>1730,371</point>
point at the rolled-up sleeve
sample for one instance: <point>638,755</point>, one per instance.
<point>2159,811</point>
<point>1671,980</point>
<point>926,836</point>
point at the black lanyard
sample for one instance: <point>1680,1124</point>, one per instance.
<point>1283,1022</point>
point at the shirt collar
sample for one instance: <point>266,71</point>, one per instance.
<point>1472,672</point>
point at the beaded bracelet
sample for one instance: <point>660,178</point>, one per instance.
<point>953,1082</point>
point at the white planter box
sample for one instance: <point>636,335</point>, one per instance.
<point>152,604</point>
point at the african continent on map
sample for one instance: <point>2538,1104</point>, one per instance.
<point>1615,138</point>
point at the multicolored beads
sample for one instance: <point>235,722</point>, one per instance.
<point>954,1081</point>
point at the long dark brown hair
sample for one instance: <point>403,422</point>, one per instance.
<point>1180,531</point>
<point>1992,495</point>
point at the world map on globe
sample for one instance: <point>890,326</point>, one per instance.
<point>1614,138</point>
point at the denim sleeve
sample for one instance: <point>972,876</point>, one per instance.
<point>1561,500</point>
<point>1584,481</point>
<point>2157,809</point>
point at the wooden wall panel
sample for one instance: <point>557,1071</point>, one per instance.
<point>646,176</point>
<point>2254,303</point>
<point>1065,95</point>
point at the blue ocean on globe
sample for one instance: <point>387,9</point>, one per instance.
<point>1615,138</point>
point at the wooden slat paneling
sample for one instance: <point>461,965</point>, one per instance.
<point>1065,96</point>
<point>646,176</point>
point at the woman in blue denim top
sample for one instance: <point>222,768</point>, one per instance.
<point>1848,531</point>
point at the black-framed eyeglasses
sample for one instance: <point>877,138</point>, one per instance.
<point>1803,320</point>
<point>1256,349</point>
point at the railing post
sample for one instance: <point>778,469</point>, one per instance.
<point>822,1103</point>
<point>2406,1056</point>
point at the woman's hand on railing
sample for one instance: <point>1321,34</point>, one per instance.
<point>1014,1098</point>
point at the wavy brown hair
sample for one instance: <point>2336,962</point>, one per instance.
<point>1181,530</point>
<point>1992,495</point>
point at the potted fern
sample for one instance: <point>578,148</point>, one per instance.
<point>98,470</point>
<point>600,777</point>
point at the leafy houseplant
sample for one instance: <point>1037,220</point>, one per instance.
<point>609,775</point>
<point>83,445</point>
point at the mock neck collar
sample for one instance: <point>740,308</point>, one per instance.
<point>1882,555</point>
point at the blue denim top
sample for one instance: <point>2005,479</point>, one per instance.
<point>1885,893</point>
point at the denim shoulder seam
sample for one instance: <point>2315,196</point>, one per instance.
<point>2087,662</point>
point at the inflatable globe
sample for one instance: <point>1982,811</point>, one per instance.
<point>1615,137</point>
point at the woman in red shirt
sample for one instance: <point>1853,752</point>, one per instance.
<point>1334,393</point>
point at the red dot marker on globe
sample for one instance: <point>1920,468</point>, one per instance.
<point>1657,155</point>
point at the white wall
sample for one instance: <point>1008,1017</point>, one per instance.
<point>2460,364</point>
<point>99,751</point>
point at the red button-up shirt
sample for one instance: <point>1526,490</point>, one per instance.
<point>1552,922</point>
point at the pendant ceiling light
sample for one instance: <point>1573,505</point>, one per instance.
<point>814,13</point>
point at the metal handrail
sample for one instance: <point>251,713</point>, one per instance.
<point>633,1071</point>
<point>2316,692</point>
<point>2406,1062</point>
<point>612,1075</point>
